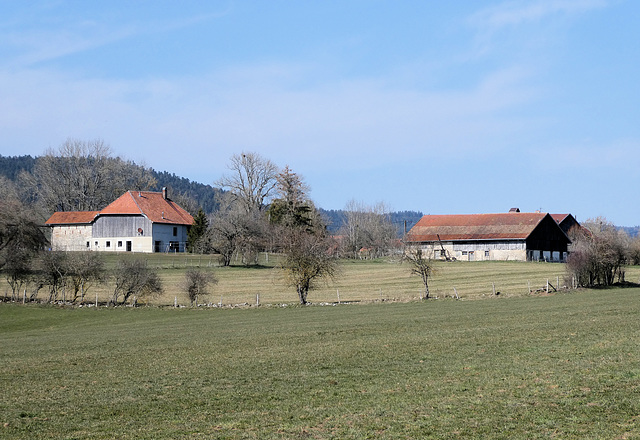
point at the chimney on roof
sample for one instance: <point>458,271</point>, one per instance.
<point>164,192</point>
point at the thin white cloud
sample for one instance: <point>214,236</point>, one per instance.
<point>514,13</point>
<point>72,36</point>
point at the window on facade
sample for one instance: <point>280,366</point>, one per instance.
<point>486,254</point>
<point>108,244</point>
<point>175,231</point>
<point>96,244</point>
<point>464,252</point>
<point>88,244</point>
<point>119,244</point>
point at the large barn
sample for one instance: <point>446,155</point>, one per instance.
<point>138,221</point>
<point>509,236</point>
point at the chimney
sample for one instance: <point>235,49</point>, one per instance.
<point>164,192</point>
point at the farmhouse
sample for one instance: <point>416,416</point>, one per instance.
<point>138,221</point>
<point>509,236</point>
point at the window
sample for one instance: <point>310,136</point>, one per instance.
<point>108,244</point>
<point>119,244</point>
<point>96,244</point>
<point>486,254</point>
<point>175,231</point>
<point>88,244</point>
<point>464,252</point>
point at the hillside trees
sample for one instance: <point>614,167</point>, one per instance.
<point>83,176</point>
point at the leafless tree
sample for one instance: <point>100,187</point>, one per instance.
<point>308,259</point>
<point>196,283</point>
<point>421,266</point>
<point>367,228</point>
<point>53,270</point>
<point>85,269</point>
<point>83,176</point>
<point>134,279</point>
<point>251,180</point>
<point>598,253</point>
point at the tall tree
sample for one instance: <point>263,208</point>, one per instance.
<point>251,180</point>
<point>197,231</point>
<point>308,252</point>
<point>83,176</point>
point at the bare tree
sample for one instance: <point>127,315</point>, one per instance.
<point>251,181</point>
<point>598,253</point>
<point>85,269</point>
<point>308,259</point>
<point>83,176</point>
<point>52,273</point>
<point>134,279</point>
<point>367,228</point>
<point>196,283</point>
<point>423,267</point>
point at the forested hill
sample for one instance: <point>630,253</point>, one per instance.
<point>12,166</point>
<point>335,218</point>
<point>206,196</point>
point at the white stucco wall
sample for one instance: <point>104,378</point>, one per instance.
<point>70,237</point>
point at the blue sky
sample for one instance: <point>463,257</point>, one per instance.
<point>440,107</point>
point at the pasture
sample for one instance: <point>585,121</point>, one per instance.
<point>360,281</point>
<point>563,366</point>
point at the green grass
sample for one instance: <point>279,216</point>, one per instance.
<point>361,281</point>
<point>561,366</point>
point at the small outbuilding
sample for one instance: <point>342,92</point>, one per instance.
<point>509,236</point>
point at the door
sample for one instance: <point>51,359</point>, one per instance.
<point>128,246</point>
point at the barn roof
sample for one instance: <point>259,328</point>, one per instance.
<point>71,218</point>
<point>152,205</point>
<point>506,226</point>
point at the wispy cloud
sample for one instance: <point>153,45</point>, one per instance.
<point>514,13</point>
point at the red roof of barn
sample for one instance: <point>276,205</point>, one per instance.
<point>507,226</point>
<point>71,217</point>
<point>150,204</point>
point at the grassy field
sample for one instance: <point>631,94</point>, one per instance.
<point>560,366</point>
<point>361,281</point>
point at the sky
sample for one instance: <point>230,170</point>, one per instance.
<point>441,107</point>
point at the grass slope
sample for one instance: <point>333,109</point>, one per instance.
<point>561,366</point>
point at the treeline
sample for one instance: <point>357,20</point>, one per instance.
<point>189,194</point>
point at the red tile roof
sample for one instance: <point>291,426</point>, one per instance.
<point>72,217</point>
<point>150,204</point>
<point>507,226</point>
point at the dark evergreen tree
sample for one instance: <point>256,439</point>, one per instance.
<point>197,231</point>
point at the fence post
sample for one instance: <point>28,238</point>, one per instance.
<point>338,292</point>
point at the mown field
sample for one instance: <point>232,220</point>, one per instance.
<point>559,366</point>
<point>359,281</point>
